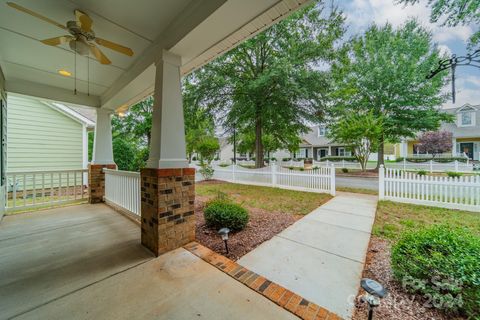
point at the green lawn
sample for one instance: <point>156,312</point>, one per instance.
<point>267,198</point>
<point>393,218</point>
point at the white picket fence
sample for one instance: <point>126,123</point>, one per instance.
<point>447,192</point>
<point>44,188</point>
<point>320,180</point>
<point>122,189</point>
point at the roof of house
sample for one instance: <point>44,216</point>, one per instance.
<point>73,113</point>
<point>311,139</point>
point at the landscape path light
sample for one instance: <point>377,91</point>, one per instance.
<point>224,234</point>
<point>375,292</point>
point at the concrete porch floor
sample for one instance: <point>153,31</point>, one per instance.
<point>86,262</point>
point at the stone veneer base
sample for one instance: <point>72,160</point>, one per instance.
<point>96,181</point>
<point>167,212</point>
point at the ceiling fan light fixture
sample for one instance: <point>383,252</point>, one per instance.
<point>65,73</point>
<point>79,46</point>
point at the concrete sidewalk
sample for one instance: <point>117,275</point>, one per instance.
<point>321,256</point>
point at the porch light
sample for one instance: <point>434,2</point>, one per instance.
<point>224,234</point>
<point>64,73</point>
<point>375,292</point>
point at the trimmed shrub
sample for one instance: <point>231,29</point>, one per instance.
<point>442,264</point>
<point>453,174</point>
<point>427,159</point>
<point>286,159</point>
<point>223,165</point>
<point>223,213</point>
<point>206,171</point>
<point>344,170</point>
<point>422,172</point>
<point>337,158</point>
<point>301,169</point>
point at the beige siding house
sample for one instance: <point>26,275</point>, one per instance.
<point>45,136</point>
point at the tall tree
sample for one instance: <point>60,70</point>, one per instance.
<point>274,83</point>
<point>383,72</point>
<point>454,13</point>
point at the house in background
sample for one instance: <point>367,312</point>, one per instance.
<point>44,135</point>
<point>465,130</point>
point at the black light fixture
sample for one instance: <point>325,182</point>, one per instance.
<point>224,234</point>
<point>375,292</point>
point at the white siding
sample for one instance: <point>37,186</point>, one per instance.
<point>41,138</point>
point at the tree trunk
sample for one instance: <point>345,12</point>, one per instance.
<point>258,143</point>
<point>381,147</point>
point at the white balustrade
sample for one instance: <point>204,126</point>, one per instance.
<point>32,189</point>
<point>122,189</point>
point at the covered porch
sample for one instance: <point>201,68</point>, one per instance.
<point>88,261</point>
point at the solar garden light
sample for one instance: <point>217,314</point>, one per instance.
<point>224,234</point>
<point>375,292</point>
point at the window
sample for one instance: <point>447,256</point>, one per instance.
<point>322,131</point>
<point>341,152</point>
<point>466,117</point>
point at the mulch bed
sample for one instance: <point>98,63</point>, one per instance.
<point>398,304</point>
<point>262,226</point>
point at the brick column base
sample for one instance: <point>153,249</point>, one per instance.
<point>96,181</point>
<point>168,202</point>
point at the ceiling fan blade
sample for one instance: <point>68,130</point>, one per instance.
<point>84,20</point>
<point>57,40</point>
<point>99,54</point>
<point>36,15</point>
<point>114,46</point>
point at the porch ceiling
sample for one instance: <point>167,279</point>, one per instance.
<point>196,30</point>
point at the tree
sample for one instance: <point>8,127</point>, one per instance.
<point>124,154</point>
<point>360,133</point>
<point>199,123</point>
<point>273,83</point>
<point>435,142</point>
<point>208,148</point>
<point>137,122</point>
<point>454,13</point>
<point>383,72</point>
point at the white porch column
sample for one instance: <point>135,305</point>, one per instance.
<point>404,149</point>
<point>102,156</point>
<point>102,144</point>
<point>167,148</point>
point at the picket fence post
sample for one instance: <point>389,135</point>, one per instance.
<point>233,172</point>
<point>274,174</point>
<point>456,165</point>
<point>404,164</point>
<point>381,182</point>
<point>431,166</point>
<point>332,180</point>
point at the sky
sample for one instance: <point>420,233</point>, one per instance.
<point>361,14</point>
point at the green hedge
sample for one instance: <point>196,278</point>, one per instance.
<point>337,158</point>
<point>441,160</point>
<point>223,213</point>
<point>442,264</point>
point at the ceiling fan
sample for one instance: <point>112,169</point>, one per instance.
<point>82,39</point>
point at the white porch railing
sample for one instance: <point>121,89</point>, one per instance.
<point>447,192</point>
<point>44,188</point>
<point>319,180</point>
<point>122,189</point>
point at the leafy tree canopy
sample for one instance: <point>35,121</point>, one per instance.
<point>273,84</point>
<point>360,133</point>
<point>435,142</point>
<point>383,72</point>
<point>454,13</point>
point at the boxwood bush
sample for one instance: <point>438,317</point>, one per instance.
<point>442,264</point>
<point>222,212</point>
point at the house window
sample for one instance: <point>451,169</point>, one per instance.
<point>341,152</point>
<point>466,118</point>
<point>322,131</point>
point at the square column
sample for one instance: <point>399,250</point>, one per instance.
<point>102,156</point>
<point>167,184</point>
